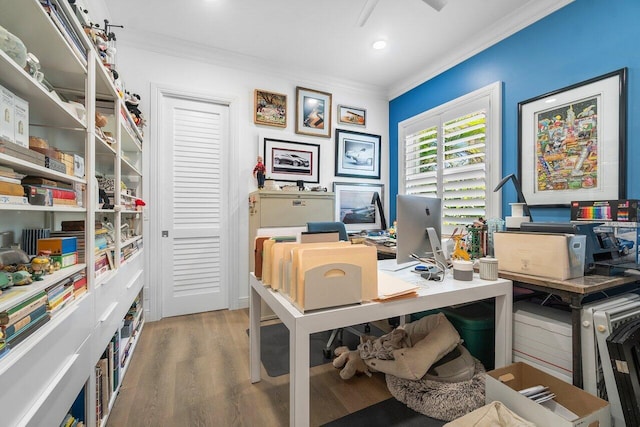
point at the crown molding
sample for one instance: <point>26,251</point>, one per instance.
<point>528,14</point>
<point>170,46</point>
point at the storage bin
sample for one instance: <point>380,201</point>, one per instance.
<point>476,325</point>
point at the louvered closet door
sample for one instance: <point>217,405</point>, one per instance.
<point>193,150</point>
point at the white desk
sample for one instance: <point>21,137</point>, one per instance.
<point>432,295</point>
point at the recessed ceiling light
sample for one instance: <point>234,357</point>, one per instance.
<point>380,44</point>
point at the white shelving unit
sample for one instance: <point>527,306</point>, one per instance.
<point>43,374</point>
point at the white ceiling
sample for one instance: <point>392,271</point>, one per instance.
<point>322,37</point>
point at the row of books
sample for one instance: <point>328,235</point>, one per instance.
<point>16,188</point>
<point>71,421</point>
<point>130,327</point>
<point>22,320</point>
<point>63,24</point>
<point>107,377</point>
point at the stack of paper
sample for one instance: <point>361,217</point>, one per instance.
<point>390,288</point>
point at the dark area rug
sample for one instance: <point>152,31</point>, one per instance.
<point>388,413</point>
<point>274,347</point>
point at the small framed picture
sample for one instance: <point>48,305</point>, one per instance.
<point>352,116</point>
<point>313,112</point>
<point>270,109</point>
<point>357,154</point>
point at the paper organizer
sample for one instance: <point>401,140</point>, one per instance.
<point>320,275</point>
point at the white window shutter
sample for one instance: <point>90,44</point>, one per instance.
<point>453,152</point>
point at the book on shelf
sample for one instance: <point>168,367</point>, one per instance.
<point>10,180</point>
<point>13,200</point>
<point>25,332</point>
<point>10,315</point>
<point>11,189</point>
<point>105,391</point>
<point>4,349</point>
<point>15,327</point>
<point>7,172</point>
<point>60,301</point>
<point>45,182</point>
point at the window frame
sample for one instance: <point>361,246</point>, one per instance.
<point>489,98</point>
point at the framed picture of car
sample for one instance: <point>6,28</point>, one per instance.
<point>313,112</point>
<point>356,205</point>
<point>291,161</point>
<point>357,154</point>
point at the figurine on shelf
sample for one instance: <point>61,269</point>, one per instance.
<point>259,171</point>
<point>40,265</point>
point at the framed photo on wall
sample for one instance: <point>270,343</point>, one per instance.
<point>270,109</point>
<point>357,154</point>
<point>352,116</point>
<point>572,142</point>
<point>313,112</point>
<point>291,161</point>
<point>356,205</point>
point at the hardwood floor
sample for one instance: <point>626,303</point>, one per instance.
<point>193,371</point>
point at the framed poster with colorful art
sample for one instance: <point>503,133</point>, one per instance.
<point>270,109</point>
<point>572,142</point>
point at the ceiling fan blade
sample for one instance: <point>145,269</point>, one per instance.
<point>366,12</point>
<point>436,4</point>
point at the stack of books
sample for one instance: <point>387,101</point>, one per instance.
<point>79,281</point>
<point>20,321</point>
<point>59,295</point>
<point>62,22</point>
<point>71,421</point>
<point>47,192</point>
<point>11,191</point>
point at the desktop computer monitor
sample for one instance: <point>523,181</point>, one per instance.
<point>415,215</point>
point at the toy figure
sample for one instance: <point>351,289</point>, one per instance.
<point>259,171</point>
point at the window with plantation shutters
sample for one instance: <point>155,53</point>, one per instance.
<point>453,152</point>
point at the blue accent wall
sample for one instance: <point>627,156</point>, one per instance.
<point>583,40</point>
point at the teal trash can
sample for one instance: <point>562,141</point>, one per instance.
<point>476,325</point>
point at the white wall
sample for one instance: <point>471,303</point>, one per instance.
<point>140,69</point>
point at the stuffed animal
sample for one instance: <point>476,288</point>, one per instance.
<point>132,100</point>
<point>350,362</point>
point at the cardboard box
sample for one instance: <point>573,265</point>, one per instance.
<point>21,121</point>
<point>58,245</point>
<point>7,124</point>
<point>66,260</point>
<point>552,255</point>
<point>622,210</point>
<point>572,407</point>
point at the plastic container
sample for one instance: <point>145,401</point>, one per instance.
<point>476,325</point>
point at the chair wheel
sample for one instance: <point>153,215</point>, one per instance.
<point>367,328</point>
<point>327,353</point>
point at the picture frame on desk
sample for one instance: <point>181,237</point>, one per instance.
<point>355,205</point>
<point>291,161</point>
<point>572,142</point>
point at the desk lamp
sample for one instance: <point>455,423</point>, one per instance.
<point>375,200</point>
<point>521,198</point>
